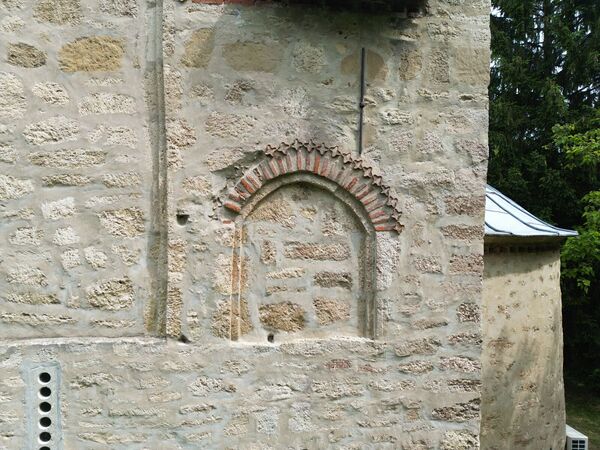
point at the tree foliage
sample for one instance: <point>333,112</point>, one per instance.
<point>545,143</point>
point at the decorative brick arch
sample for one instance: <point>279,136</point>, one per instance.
<point>350,172</point>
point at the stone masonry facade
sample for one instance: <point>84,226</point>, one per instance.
<point>189,232</point>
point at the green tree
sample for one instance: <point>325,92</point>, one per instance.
<point>545,144</point>
<point>580,142</point>
<point>545,71</point>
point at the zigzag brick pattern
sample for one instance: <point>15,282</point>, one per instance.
<point>348,171</point>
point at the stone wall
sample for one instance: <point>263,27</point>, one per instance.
<point>325,300</point>
<point>523,404</point>
<point>76,170</point>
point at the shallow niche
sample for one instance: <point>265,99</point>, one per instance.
<point>305,258</point>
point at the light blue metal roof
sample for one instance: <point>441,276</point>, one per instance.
<point>503,217</point>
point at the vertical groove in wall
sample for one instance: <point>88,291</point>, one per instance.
<point>156,309</point>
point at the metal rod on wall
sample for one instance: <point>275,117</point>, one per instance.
<point>361,104</point>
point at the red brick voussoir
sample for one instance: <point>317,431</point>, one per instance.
<point>348,171</point>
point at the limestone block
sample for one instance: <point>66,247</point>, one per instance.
<point>107,103</point>
<point>25,55</point>
<point>330,310</point>
<point>125,222</point>
<point>68,158</point>
<point>59,12</point>
<point>246,56</point>
<point>12,100</point>
<point>113,294</point>
<point>317,252</point>
<point>59,209</point>
<point>285,316</point>
<point>198,49</point>
<point>12,188</point>
<point>92,54</point>
<point>54,130</point>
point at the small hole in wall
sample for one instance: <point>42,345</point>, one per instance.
<point>45,436</point>
<point>182,219</point>
<point>45,422</point>
<point>44,448</point>
<point>271,337</point>
<point>45,391</point>
<point>45,377</point>
<point>45,407</point>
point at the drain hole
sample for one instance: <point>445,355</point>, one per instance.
<point>44,448</point>
<point>45,422</point>
<point>44,377</point>
<point>45,436</point>
<point>45,392</point>
<point>45,406</point>
<point>271,337</point>
<point>182,218</point>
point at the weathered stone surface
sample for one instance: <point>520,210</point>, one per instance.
<point>376,66</point>
<point>459,412</point>
<point>285,316</point>
<point>92,54</point>
<point>460,440</point>
<point>26,236</point>
<point>59,12</point>
<point>460,364</point>
<point>331,310</point>
<point>294,272</point>
<point>34,320</point>
<point>253,56</point>
<point>308,58</point>
<point>54,130</point>
<point>228,125</point>
<point>424,346</point>
<point>120,180</point>
<point>66,179</point>
<point>70,258</point>
<point>107,103</point>
<point>317,252</point>
<point>416,367</point>
<point>410,63</point>
<point>11,188</point>
<point>68,158</point>
<point>466,233</point>
<point>465,205</point>
<point>59,209</point>
<point>25,55</point>
<point>12,100</point>
<point>112,295</point>
<point>231,321</point>
<point>334,279</point>
<point>468,312</point>
<point>466,264</point>
<point>95,258</point>
<point>230,274</point>
<point>27,275</point>
<point>268,252</point>
<point>31,298</point>
<point>119,7</point>
<point>199,48</point>
<point>278,211</point>
<point>65,236</point>
<point>127,222</point>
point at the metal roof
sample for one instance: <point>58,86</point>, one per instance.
<point>503,217</point>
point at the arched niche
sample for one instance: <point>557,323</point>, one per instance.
<point>294,274</point>
<point>307,248</point>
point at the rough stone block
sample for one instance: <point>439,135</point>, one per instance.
<point>92,54</point>
<point>284,316</point>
